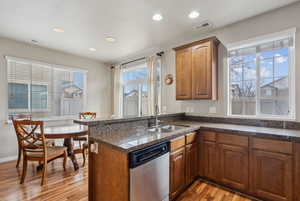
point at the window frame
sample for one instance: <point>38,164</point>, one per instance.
<point>49,96</point>
<point>29,84</point>
<point>138,82</point>
<point>291,75</point>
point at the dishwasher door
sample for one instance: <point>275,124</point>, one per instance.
<point>150,181</point>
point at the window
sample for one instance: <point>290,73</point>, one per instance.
<point>261,79</point>
<point>44,90</point>
<point>135,88</point>
<point>19,96</point>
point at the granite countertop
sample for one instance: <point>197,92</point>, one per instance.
<point>96,121</point>
<point>136,138</point>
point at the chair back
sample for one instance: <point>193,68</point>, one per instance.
<point>19,117</point>
<point>87,115</point>
<point>30,140</point>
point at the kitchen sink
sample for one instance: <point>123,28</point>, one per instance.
<point>166,128</point>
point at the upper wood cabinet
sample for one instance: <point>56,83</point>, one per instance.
<point>196,70</point>
<point>183,74</point>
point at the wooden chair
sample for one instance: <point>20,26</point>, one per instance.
<point>25,117</point>
<point>83,144</point>
<point>34,146</point>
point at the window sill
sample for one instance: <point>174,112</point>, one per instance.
<point>50,119</point>
<point>278,118</point>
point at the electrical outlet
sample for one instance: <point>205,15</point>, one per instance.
<point>94,148</point>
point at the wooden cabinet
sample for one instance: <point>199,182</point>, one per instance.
<point>183,74</point>
<point>272,175</point>
<point>183,163</point>
<point>191,151</point>
<point>234,167</point>
<point>210,159</point>
<point>201,71</point>
<point>196,70</point>
<point>297,171</point>
<point>177,172</point>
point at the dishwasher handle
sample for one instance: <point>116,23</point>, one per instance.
<point>142,156</point>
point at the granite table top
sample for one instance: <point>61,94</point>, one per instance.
<point>132,139</point>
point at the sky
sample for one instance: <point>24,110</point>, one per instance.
<point>281,64</point>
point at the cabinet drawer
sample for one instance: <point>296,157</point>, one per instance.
<point>177,143</point>
<point>191,138</point>
<point>272,145</point>
<point>225,138</point>
<point>209,136</point>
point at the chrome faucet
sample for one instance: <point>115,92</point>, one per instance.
<point>157,121</point>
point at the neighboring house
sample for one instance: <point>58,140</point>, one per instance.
<point>71,99</point>
<point>276,89</point>
<point>71,90</point>
<point>273,98</point>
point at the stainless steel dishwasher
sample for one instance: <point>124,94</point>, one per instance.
<point>149,173</point>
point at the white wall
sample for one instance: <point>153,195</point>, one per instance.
<point>274,21</point>
<point>98,84</point>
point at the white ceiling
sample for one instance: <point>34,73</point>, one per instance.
<point>88,22</point>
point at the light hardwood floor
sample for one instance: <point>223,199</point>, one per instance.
<point>73,186</point>
<point>202,191</point>
<point>61,186</point>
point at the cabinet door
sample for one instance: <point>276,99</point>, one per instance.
<point>234,167</point>
<point>272,175</point>
<point>191,151</point>
<point>297,171</point>
<point>183,74</point>
<point>178,168</point>
<point>210,159</point>
<point>202,71</point>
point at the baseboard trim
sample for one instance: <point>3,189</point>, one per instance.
<point>6,159</point>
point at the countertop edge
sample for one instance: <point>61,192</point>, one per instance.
<point>240,131</point>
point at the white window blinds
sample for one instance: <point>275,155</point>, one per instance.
<point>44,90</point>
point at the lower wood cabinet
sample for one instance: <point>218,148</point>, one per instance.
<point>234,167</point>
<point>210,159</point>
<point>272,175</point>
<point>177,172</point>
<point>191,151</point>
<point>297,172</point>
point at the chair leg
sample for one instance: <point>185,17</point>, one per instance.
<point>84,156</point>
<point>44,174</point>
<point>65,160</point>
<point>24,169</point>
<point>19,156</point>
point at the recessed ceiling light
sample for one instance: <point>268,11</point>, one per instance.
<point>194,14</point>
<point>59,30</point>
<point>157,17</point>
<point>92,49</point>
<point>110,39</point>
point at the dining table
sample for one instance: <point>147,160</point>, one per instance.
<point>66,132</point>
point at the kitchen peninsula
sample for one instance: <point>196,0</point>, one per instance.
<point>255,157</point>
